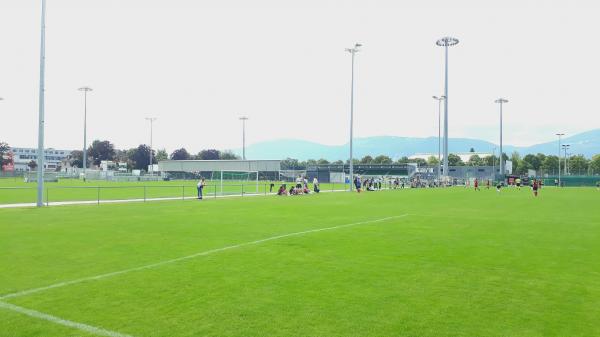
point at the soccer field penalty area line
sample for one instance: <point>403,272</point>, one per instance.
<point>208,252</point>
<point>57,320</point>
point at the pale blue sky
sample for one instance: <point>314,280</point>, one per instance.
<point>198,65</point>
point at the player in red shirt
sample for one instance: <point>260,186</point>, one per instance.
<point>535,187</point>
<point>476,184</point>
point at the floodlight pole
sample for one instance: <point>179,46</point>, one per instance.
<point>439,99</point>
<point>41,120</point>
<point>565,147</point>
<point>352,51</point>
<point>559,138</point>
<point>244,119</point>
<point>151,119</point>
<point>85,91</point>
<point>494,163</point>
<point>501,101</point>
<point>446,42</point>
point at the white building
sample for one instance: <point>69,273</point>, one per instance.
<point>23,155</point>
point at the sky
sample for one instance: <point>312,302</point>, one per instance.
<point>197,66</point>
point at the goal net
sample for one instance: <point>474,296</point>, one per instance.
<point>235,182</point>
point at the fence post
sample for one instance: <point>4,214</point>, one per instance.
<point>98,195</point>
<point>215,186</point>
<point>144,193</point>
<point>47,197</point>
<point>242,189</point>
<point>182,192</point>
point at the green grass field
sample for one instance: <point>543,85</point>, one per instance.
<point>14,190</point>
<point>414,262</point>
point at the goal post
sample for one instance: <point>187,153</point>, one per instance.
<point>235,182</point>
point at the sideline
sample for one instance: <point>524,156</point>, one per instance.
<point>188,257</point>
<point>80,326</point>
<point>118,201</point>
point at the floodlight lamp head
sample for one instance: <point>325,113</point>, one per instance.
<point>85,89</point>
<point>447,41</point>
<point>243,118</point>
<point>501,100</point>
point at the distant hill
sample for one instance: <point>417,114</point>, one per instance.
<point>586,143</point>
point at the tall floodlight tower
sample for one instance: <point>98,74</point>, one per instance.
<point>244,119</point>
<point>151,120</point>
<point>559,139</point>
<point>501,101</point>
<point>565,148</point>
<point>353,52</point>
<point>85,90</point>
<point>40,150</point>
<point>446,42</point>
<point>439,99</point>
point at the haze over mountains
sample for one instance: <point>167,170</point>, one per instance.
<point>586,143</point>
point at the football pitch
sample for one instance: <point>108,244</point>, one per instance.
<point>412,262</point>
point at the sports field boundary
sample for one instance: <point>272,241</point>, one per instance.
<point>107,333</point>
<point>119,201</point>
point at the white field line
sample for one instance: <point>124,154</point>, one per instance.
<point>115,201</point>
<point>208,252</point>
<point>80,326</point>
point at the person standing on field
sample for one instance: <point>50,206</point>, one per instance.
<point>535,187</point>
<point>200,187</point>
<point>316,185</point>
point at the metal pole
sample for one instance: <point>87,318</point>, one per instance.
<point>151,169</point>
<point>446,112</point>
<point>439,141</point>
<point>244,119</point>
<point>40,150</point>
<point>559,139</point>
<point>501,157</point>
<point>352,51</point>
<point>84,131</point>
<point>352,123</point>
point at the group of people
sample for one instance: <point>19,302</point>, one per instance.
<point>300,188</point>
<point>536,185</point>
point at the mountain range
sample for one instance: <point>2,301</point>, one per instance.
<point>586,143</point>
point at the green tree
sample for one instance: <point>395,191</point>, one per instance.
<point>517,164</point>
<point>595,164</point>
<point>180,154</point>
<point>101,150</point>
<point>322,161</point>
<point>76,158</point>
<point>210,154</point>
<point>402,160</point>
<point>532,162</point>
<point>338,162</point>
<point>491,160</point>
<point>366,160</point>
<point>475,160</point>
<point>550,164</point>
<point>289,164</point>
<point>32,165</point>
<point>228,155</point>
<point>140,157</point>
<point>382,159</point>
<point>472,150</point>
<point>4,148</point>
<point>311,162</point>
<point>162,155</point>
<point>578,165</point>
<point>433,161</point>
<point>454,160</point>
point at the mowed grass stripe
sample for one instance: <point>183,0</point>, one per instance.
<point>183,258</point>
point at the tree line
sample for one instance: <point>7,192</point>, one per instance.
<point>139,158</point>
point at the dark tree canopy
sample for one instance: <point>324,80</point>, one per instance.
<point>180,154</point>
